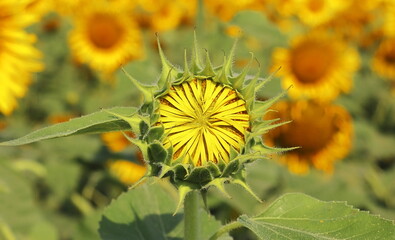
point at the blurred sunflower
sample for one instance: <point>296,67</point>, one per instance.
<point>384,59</point>
<point>18,58</point>
<point>280,12</point>
<point>284,8</point>
<point>59,118</point>
<point>66,7</point>
<point>333,123</point>
<point>3,125</point>
<point>37,7</point>
<point>353,21</point>
<point>126,171</point>
<point>319,66</point>
<point>116,141</point>
<point>105,37</point>
<point>389,18</point>
<point>317,12</point>
<point>225,10</point>
<point>162,15</point>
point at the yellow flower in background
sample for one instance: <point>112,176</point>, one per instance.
<point>322,131</point>
<point>284,8</point>
<point>59,118</point>
<point>3,125</point>
<point>317,12</point>
<point>203,120</point>
<point>233,31</point>
<point>18,58</point>
<point>225,10</point>
<point>105,37</point>
<point>384,59</point>
<point>116,141</point>
<point>355,21</point>
<point>38,7</point>
<point>126,171</point>
<point>162,15</point>
<point>318,65</point>
<point>389,18</point>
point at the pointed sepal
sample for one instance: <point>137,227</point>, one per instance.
<point>147,91</point>
<point>183,190</point>
<point>238,81</point>
<point>249,91</point>
<point>247,188</point>
<point>229,62</point>
<point>167,73</point>
<point>208,70</point>
<point>186,74</point>
<point>222,77</point>
<point>196,63</point>
<point>261,107</point>
<point>219,183</point>
<point>262,83</point>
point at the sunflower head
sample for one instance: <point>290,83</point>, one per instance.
<point>105,37</point>
<point>202,124</point>
<point>319,151</point>
<point>318,65</point>
<point>384,59</point>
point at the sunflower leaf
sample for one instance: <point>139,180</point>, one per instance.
<point>298,216</point>
<point>146,212</point>
<point>98,122</point>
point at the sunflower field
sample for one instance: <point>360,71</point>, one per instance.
<point>197,119</point>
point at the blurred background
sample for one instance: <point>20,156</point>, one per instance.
<point>61,59</point>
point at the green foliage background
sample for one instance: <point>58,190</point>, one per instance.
<point>58,189</point>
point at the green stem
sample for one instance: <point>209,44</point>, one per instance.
<point>191,216</point>
<point>224,229</point>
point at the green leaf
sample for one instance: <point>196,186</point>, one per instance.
<point>62,187</point>
<point>298,216</point>
<point>43,230</point>
<point>146,212</point>
<point>18,211</point>
<point>97,122</point>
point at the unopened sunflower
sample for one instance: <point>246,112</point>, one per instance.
<point>384,59</point>
<point>322,131</point>
<point>18,58</point>
<point>319,66</point>
<point>201,125</point>
<point>105,37</point>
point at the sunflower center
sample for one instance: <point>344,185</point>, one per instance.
<point>203,121</point>
<point>310,61</point>
<point>104,31</point>
<point>303,129</point>
<point>390,57</point>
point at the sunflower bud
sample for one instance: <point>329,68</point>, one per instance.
<point>199,126</point>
